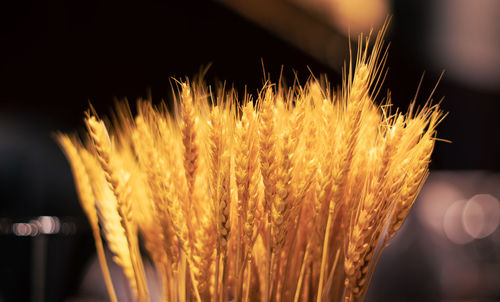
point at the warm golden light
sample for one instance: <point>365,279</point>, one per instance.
<point>288,197</point>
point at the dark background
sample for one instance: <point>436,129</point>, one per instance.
<point>57,56</point>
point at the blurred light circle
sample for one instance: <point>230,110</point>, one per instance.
<point>48,224</point>
<point>21,229</point>
<point>351,17</point>
<point>356,16</point>
<point>465,40</point>
<point>436,198</point>
<point>481,215</point>
<point>34,229</point>
<point>452,223</point>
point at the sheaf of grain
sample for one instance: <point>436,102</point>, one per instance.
<point>293,198</point>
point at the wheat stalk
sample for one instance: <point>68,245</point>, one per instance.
<point>87,200</point>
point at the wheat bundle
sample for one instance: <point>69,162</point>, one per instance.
<point>288,197</point>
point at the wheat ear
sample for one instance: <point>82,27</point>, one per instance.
<point>269,164</point>
<point>119,187</point>
<point>247,180</point>
<point>87,200</point>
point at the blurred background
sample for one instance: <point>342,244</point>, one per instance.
<point>57,56</point>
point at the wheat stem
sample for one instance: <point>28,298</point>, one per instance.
<point>301,275</point>
<point>87,198</point>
